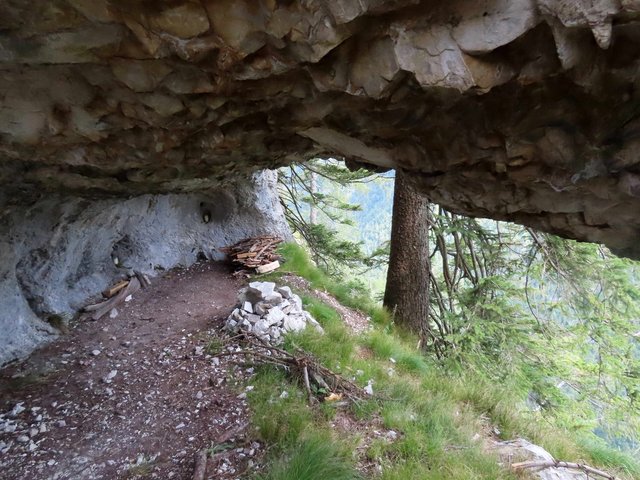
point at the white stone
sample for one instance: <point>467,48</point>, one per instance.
<point>274,332</point>
<point>369,388</point>
<point>275,316</point>
<point>262,308</point>
<point>17,409</point>
<point>296,301</point>
<point>260,327</point>
<point>285,292</point>
<point>293,323</point>
<point>110,376</point>
<point>261,288</point>
<point>247,307</point>
<point>312,321</point>
<point>273,298</point>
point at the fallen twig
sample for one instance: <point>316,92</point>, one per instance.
<point>305,372</point>
<point>541,464</point>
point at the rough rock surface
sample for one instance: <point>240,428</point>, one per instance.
<point>60,251</point>
<point>520,450</point>
<point>270,312</point>
<point>525,110</point>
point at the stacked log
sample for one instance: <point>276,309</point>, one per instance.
<point>257,253</point>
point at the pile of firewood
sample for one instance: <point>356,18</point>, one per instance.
<point>257,253</point>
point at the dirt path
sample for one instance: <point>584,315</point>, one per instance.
<point>135,396</point>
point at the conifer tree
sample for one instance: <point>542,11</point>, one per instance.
<point>408,276</point>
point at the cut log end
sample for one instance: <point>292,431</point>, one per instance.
<point>269,267</point>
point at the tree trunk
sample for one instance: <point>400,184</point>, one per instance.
<point>407,290</point>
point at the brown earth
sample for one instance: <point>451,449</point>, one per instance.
<point>132,396</point>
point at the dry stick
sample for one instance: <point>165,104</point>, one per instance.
<point>305,373</point>
<point>278,357</point>
<point>201,465</point>
<point>269,244</point>
<point>555,463</point>
<point>142,278</point>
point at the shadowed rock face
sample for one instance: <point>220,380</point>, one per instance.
<point>524,110</point>
<point>59,251</point>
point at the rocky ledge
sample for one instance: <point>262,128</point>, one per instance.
<point>523,110</point>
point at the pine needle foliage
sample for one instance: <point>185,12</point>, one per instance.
<point>316,215</point>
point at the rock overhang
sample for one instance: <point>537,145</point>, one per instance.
<point>523,110</point>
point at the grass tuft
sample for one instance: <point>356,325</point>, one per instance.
<point>318,457</point>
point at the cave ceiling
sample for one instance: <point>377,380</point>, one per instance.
<point>523,110</point>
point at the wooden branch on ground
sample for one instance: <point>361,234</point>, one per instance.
<point>301,365</point>
<point>111,291</point>
<point>305,375</point>
<point>555,463</point>
<point>201,465</point>
<point>101,309</point>
<point>142,278</point>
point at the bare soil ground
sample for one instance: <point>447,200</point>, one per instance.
<point>135,396</point>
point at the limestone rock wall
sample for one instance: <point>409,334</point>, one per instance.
<point>525,110</point>
<point>58,252</point>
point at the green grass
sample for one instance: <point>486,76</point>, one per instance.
<point>297,261</point>
<point>440,412</point>
<point>603,455</point>
<point>318,457</point>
